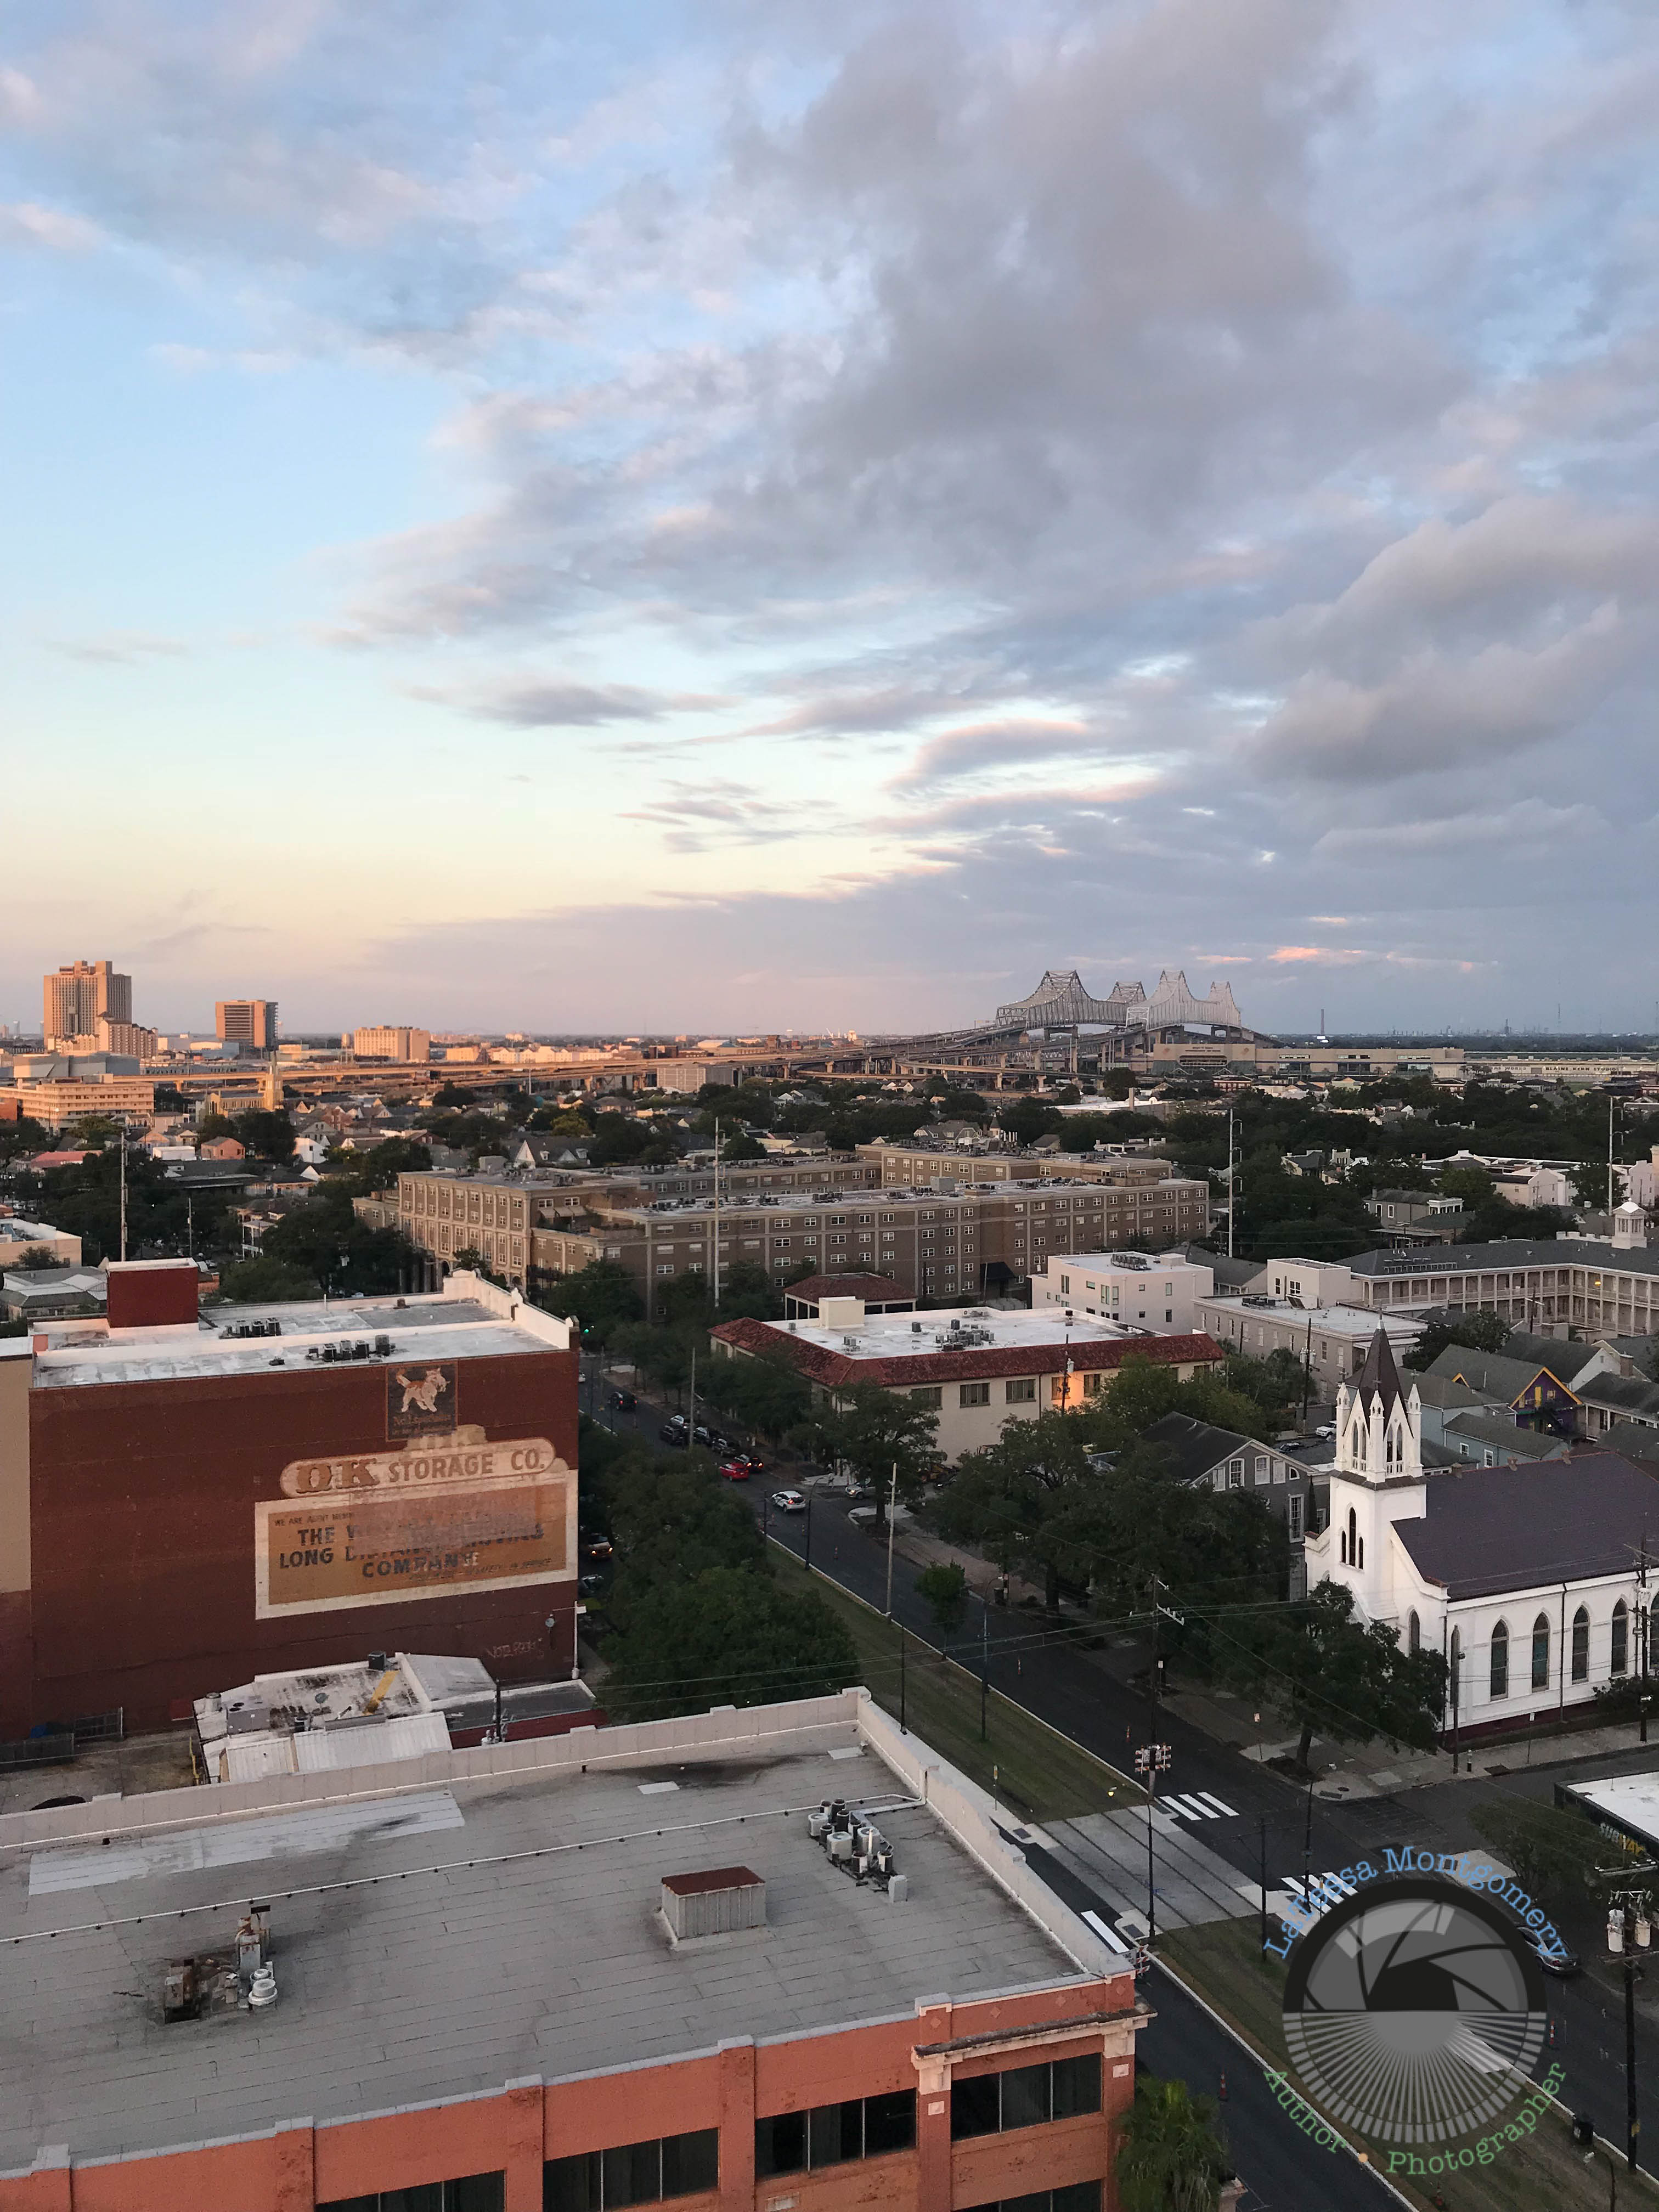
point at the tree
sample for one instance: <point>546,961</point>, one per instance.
<point>944,1589</point>
<point>1011,1497</point>
<point>601,1297</point>
<point>620,1143</point>
<point>873,1430</point>
<point>1026,1119</point>
<point>1549,1849</point>
<point>268,1136</point>
<point>1173,2158</point>
<point>742,1147</point>
<point>449,1096</point>
<point>730,1637</point>
<point>673,1519</point>
<point>1588,1179</point>
<point>1480,1328</point>
<point>1326,1671</point>
<point>266,1280</point>
<point>212,1124</point>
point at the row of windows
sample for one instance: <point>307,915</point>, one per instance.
<point>831,2135</point>
<point>474,2193</point>
<point>1497,1667</point>
<point>633,2173</point>
<point>1081,2197</point>
<point>1024,2096</point>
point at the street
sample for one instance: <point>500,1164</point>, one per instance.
<point>1075,1690</point>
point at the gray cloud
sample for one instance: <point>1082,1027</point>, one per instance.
<point>555,703</point>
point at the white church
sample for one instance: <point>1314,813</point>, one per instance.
<point>1528,1580</point>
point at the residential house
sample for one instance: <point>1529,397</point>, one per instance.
<point>1204,1456</point>
<point>1533,1393</point>
<point>1415,1216</point>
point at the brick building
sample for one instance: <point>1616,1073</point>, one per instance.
<point>174,1493</point>
<point>497,1994</point>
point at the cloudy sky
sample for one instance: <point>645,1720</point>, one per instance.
<point>740,512</point>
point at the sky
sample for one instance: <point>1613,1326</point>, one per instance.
<point>715,517</point>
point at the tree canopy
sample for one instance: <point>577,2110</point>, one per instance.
<point>728,1637</point>
<point>1172,2157</point>
<point>600,1296</point>
<point>1327,1672</point>
<point>1482,1331</point>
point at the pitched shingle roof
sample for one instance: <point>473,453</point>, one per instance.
<point>1380,1375</point>
<point>1493,1529</point>
<point>1493,1372</point>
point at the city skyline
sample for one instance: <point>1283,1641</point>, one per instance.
<point>595,530</point>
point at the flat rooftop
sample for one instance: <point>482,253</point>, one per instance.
<point>393,1330</point>
<point>1331,1320</point>
<point>904,1335</point>
<point>523,1940</point>
<point>1627,1801</point>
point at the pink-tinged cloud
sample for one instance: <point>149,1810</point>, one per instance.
<point>1330,955</point>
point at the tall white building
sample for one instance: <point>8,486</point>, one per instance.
<point>1141,1289</point>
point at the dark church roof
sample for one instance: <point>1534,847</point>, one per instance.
<point>1380,1373</point>
<point>1493,1529</point>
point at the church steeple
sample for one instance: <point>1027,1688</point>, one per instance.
<point>1379,1429</point>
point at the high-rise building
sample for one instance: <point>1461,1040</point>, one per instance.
<point>77,998</point>
<point>387,1041</point>
<point>251,1022</point>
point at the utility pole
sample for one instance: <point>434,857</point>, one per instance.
<point>1612,1109</point>
<point>1152,1760</point>
<point>892,1507</point>
<point>1628,1931</point>
<point>1642,1626</point>
<point>904,1727</point>
<point>1307,1853</point>
<point>806,1547</point>
<point>715,1233</point>
<point>124,1186</point>
<point>1232,1185</point>
<point>1263,1825</point>
<point>984,1668</point>
<point>1307,1372</point>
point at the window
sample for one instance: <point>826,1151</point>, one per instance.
<point>1581,1646</point>
<point>1024,2096</point>
<point>1499,1675</point>
<point>1413,1635</point>
<point>1294,1502</point>
<point>932,1397</point>
<point>831,2135</point>
<point>473,2193</point>
<point>1020,1390</point>
<point>973,1394</point>
<point>1541,1652</point>
<point>1235,1474</point>
<point>631,2173</point>
<point>1620,1662</point>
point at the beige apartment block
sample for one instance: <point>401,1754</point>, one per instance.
<point>389,1040</point>
<point>250,1022</point>
<point>76,997</point>
<point>56,1104</point>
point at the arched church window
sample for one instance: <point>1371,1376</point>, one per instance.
<point>1541,1652</point>
<point>1499,1678</point>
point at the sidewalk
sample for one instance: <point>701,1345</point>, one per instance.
<point>1377,1770</point>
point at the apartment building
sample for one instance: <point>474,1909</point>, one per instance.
<point>1551,1287</point>
<point>1331,1340</point>
<point>974,1368</point>
<point>910,1163</point>
<point>527,1966</point>
<point>250,1022</point>
<point>55,1104</point>
<point>389,1040</point>
<point>447,1215</point>
<point>1156,1291</point>
<point>75,998</point>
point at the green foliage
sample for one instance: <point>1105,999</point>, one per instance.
<point>730,1637</point>
<point>1141,1535</point>
<point>359,1174</point>
<point>1324,1671</point>
<point>1172,2157</point>
<point>340,1254</point>
<point>1482,1331</point>
<point>449,1096</point>
<point>1275,1386</point>
<point>265,1280</point>
<point>19,1138</point>
<point>211,1124</point>
<point>1018,1499</point>
<point>944,1589</point>
<point>1552,1851</point>
<point>1143,1392</point>
<point>265,1136</point>
<point>672,1519</point>
<point>743,1147</point>
<point>1026,1119</point>
<point>873,1430</point>
<point>86,1201</point>
<point>601,1297</point>
<point>618,1142</point>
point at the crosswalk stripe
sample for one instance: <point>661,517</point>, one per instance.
<point>1220,1806</point>
<point>1107,1934</point>
<point>1187,1806</point>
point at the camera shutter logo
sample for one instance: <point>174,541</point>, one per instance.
<point>1414,2011</point>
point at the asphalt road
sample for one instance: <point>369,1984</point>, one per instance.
<point>1077,1693</point>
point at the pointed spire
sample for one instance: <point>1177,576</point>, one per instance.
<point>1380,1373</point>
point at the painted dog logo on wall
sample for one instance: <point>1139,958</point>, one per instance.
<point>420,1400</point>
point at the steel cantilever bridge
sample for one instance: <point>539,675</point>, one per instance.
<point>1062,1024</point>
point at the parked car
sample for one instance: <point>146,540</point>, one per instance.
<point>735,1470</point>
<point>1562,1963</point>
<point>597,1548</point>
<point>788,1501</point>
<point>590,1585</point>
<point>755,1466</point>
<point>674,1432</point>
<point>623,1402</point>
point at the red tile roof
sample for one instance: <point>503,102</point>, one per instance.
<point>836,1370</point>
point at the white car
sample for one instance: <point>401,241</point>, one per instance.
<point>865,1516</point>
<point>788,1501</point>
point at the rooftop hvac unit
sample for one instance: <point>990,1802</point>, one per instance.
<point>717,1903</point>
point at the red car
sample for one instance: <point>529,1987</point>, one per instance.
<point>735,1470</point>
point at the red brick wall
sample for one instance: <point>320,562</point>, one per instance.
<point>152,1298</point>
<point>513,2130</point>
<point>142,1498</point>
